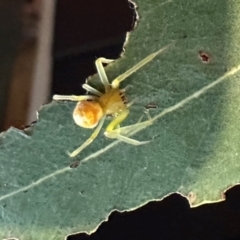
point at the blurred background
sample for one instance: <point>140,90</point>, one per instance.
<point>20,33</point>
<point>49,47</point>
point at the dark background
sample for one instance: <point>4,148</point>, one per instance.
<point>84,31</point>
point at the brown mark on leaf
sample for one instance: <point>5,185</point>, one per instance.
<point>204,56</point>
<point>151,106</point>
<point>192,197</point>
<point>74,164</point>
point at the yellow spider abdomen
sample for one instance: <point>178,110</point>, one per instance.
<point>87,114</point>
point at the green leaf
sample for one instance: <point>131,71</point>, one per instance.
<point>195,143</point>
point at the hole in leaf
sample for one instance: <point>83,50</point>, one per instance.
<point>74,164</point>
<point>151,106</point>
<point>204,56</point>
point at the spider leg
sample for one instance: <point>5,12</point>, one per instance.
<point>73,97</point>
<point>101,72</point>
<point>91,90</point>
<point>122,133</point>
<point>132,102</point>
<point>120,78</point>
<point>113,125</point>
<point>131,129</point>
<point>90,139</point>
<point>146,111</point>
<point>130,140</point>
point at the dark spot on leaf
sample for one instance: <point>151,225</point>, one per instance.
<point>204,56</point>
<point>74,164</point>
<point>151,106</point>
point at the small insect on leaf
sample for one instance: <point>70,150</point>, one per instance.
<point>92,110</point>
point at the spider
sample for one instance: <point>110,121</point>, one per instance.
<point>92,110</point>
